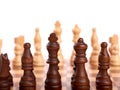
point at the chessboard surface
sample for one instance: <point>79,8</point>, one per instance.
<point>66,72</point>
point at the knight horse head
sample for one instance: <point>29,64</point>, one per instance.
<point>4,65</point>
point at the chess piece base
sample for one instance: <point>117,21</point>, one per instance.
<point>27,88</point>
<point>52,87</point>
<point>6,88</point>
<point>101,87</point>
<point>80,88</point>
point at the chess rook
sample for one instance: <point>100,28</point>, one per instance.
<point>53,79</point>
<point>28,80</point>
<point>80,79</point>
<point>103,81</point>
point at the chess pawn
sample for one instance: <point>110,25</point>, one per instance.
<point>114,50</point>
<point>80,79</point>
<point>0,45</point>
<point>28,80</point>
<point>103,81</point>
<point>18,50</point>
<point>76,33</point>
<point>38,57</point>
<point>58,31</point>
<point>53,79</point>
<point>95,48</point>
<point>4,73</point>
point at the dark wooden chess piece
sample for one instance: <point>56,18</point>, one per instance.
<point>28,80</point>
<point>53,79</point>
<point>10,78</point>
<point>80,79</point>
<point>103,81</point>
<point>4,73</point>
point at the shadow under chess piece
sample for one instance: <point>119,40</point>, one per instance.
<point>4,73</point>
<point>28,80</point>
<point>80,79</point>
<point>103,81</point>
<point>53,79</point>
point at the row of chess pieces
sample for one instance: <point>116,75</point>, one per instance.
<point>79,79</point>
<point>39,59</point>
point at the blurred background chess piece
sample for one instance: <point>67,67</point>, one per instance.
<point>18,50</point>
<point>76,34</point>
<point>0,45</point>
<point>58,31</point>
<point>38,57</point>
<point>95,48</point>
<point>114,50</point>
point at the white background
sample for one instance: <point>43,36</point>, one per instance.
<point>21,17</point>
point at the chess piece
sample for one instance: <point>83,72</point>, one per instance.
<point>0,45</point>
<point>53,79</point>
<point>38,57</point>
<point>28,80</point>
<point>103,81</point>
<point>80,79</point>
<point>4,73</point>
<point>10,78</point>
<point>95,48</point>
<point>76,32</point>
<point>114,50</point>
<point>19,41</point>
<point>58,32</point>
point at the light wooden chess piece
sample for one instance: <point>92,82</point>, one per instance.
<point>58,31</point>
<point>114,50</point>
<point>38,57</point>
<point>18,50</point>
<point>76,32</point>
<point>0,45</point>
<point>95,48</point>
